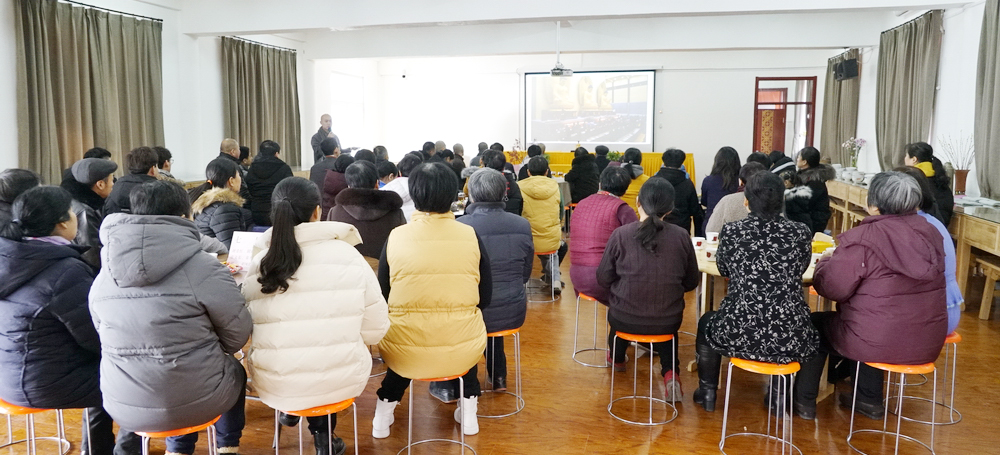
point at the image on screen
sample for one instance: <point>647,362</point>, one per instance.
<point>613,108</point>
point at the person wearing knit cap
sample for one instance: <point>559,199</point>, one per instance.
<point>90,184</point>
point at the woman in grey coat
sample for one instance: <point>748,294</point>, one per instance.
<point>170,318</point>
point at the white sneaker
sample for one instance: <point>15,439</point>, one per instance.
<point>470,406</point>
<point>383,418</point>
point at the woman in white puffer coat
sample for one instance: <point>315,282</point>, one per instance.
<point>316,306</point>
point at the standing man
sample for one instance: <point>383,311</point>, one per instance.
<point>325,131</point>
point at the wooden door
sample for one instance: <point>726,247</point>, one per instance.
<point>770,121</point>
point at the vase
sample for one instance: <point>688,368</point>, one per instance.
<point>960,176</point>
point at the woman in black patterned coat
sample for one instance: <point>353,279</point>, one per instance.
<point>765,317</point>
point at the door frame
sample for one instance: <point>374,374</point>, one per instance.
<point>811,105</point>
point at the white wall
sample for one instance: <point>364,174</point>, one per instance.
<point>703,100</point>
<point>8,86</point>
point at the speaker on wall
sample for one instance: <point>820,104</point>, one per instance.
<point>846,70</point>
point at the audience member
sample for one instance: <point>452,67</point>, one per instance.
<point>475,161</point>
<point>218,211</point>
<point>90,184</point>
<point>779,162</point>
<point>381,154</point>
<point>401,185</point>
<point>244,161</point>
<point>372,212</point>
<point>141,166</point>
<point>887,277</point>
<point>231,150</point>
<point>335,181</point>
<point>458,163</point>
<point>495,160</point>
<point>757,157</point>
<point>921,156</point>
<point>797,198</point>
<point>764,317</point>
<point>266,171</point>
<point>304,266</point>
<point>447,156</point>
<point>366,155</point>
<point>927,208</point>
<point>632,162</point>
<point>533,151</point>
<point>325,131</point>
<point>13,182</point>
<point>584,177</point>
<point>815,175</point>
<point>497,147</point>
<point>435,300</point>
<point>387,172</point>
<point>602,160</point>
<point>650,251</point>
<point>543,208</point>
<point>439,146</point>
<point>723,180</point>
<point>733,207</point>
<point>164,161</point>
<point>331,150</point>
<point>167,362</point>
<point>98,152</point>
<point>593,221</point>
<point>51,352</point>
<point>428,150</point>
<point>687,208</point>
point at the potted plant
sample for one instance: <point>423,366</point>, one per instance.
<point>854,146</point>
<point>960,152</point>
<point>614,155</point>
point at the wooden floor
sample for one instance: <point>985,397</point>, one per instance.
<point>566,411</point>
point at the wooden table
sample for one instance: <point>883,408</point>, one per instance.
<point>974,227</point>
<point>848,205</point>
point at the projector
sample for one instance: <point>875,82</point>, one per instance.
<point>559,71</point>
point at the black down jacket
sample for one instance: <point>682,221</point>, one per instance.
<point>49,349</point>
<point>507,238</point>
<point>219,213</point>
<point>264,175</point>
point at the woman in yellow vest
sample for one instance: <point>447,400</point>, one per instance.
<point>632,161</point>
<point>435,275</point>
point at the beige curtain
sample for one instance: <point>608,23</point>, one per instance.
<point>85,78</point>
<point>987,126</point>
<point>260,96</point>
<point>907,78</point>
<point>840,110</point>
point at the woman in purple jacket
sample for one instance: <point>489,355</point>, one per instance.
<point>887,277</point>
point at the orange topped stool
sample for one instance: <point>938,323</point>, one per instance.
<point>517,394</point>
<point>14,410</point>
<point>212,450</point>
<point>902,371</point>
<point>950,362</point>
<point>635,397</point>
<point>553,256</point>
<point>786,383</point>
<point>576,333</point>
<point>461,428</point>
<point>319,411</point>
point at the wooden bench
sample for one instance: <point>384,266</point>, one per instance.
<point>991,268</point>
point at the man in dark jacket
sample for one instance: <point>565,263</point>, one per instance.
<point>141,165</point>
<point>495,160</point>
<point>325,132</point>
<point>90,183</point>
<point>331,150</point>
<point>373,212</point>
<point>583,177</point>
<point>533,151</point>
<point>780,162</point>
<point>231,150</point>
<point>266,171</point>
<point>602,160</point>
<point>686,204</point>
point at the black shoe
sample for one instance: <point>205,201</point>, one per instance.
<point>443,391</point>
<point>706,398</point>
<point>558,289</point>
<point>322,443</point>
<point>288,420</point>
<point>499,384</point>
<point>871,410</point>
<point>805,411</point>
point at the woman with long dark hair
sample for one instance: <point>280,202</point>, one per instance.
<point>723,180</point>
<point>813,175</point>
<point>218,210</point>
<point>921,156</point>
<point>316,306</point>
<point>632,162</point>
<point>638,254</point>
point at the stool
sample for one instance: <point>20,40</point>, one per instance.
<point>786,383</point>
<point>212,449</point>
<point>991,268</point>
<point>519,404</point>
<point>319,411</point>
<point>553,256</point>
<point>576,332</point>
<point>14,410</point>
<point>635,397</point>
<point>568,209</point>
<point>902,370</point>
<point>461,424</point>
<point>950,361</point>
<point>374,360</point>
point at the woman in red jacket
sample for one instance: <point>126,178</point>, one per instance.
<point>887,277</point>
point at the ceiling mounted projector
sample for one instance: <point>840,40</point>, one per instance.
<point>559,71</point>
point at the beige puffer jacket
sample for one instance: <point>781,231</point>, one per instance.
<point>310,343</point>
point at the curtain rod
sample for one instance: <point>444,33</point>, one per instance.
<point>240,38</point>
<point>112,11</point>
<point>914,19</point>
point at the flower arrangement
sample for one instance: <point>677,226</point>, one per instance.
<point>959,151</point>
<point>614,155</point>
<point>854,146</point>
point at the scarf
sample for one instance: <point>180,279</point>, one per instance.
<point>927,167</point>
